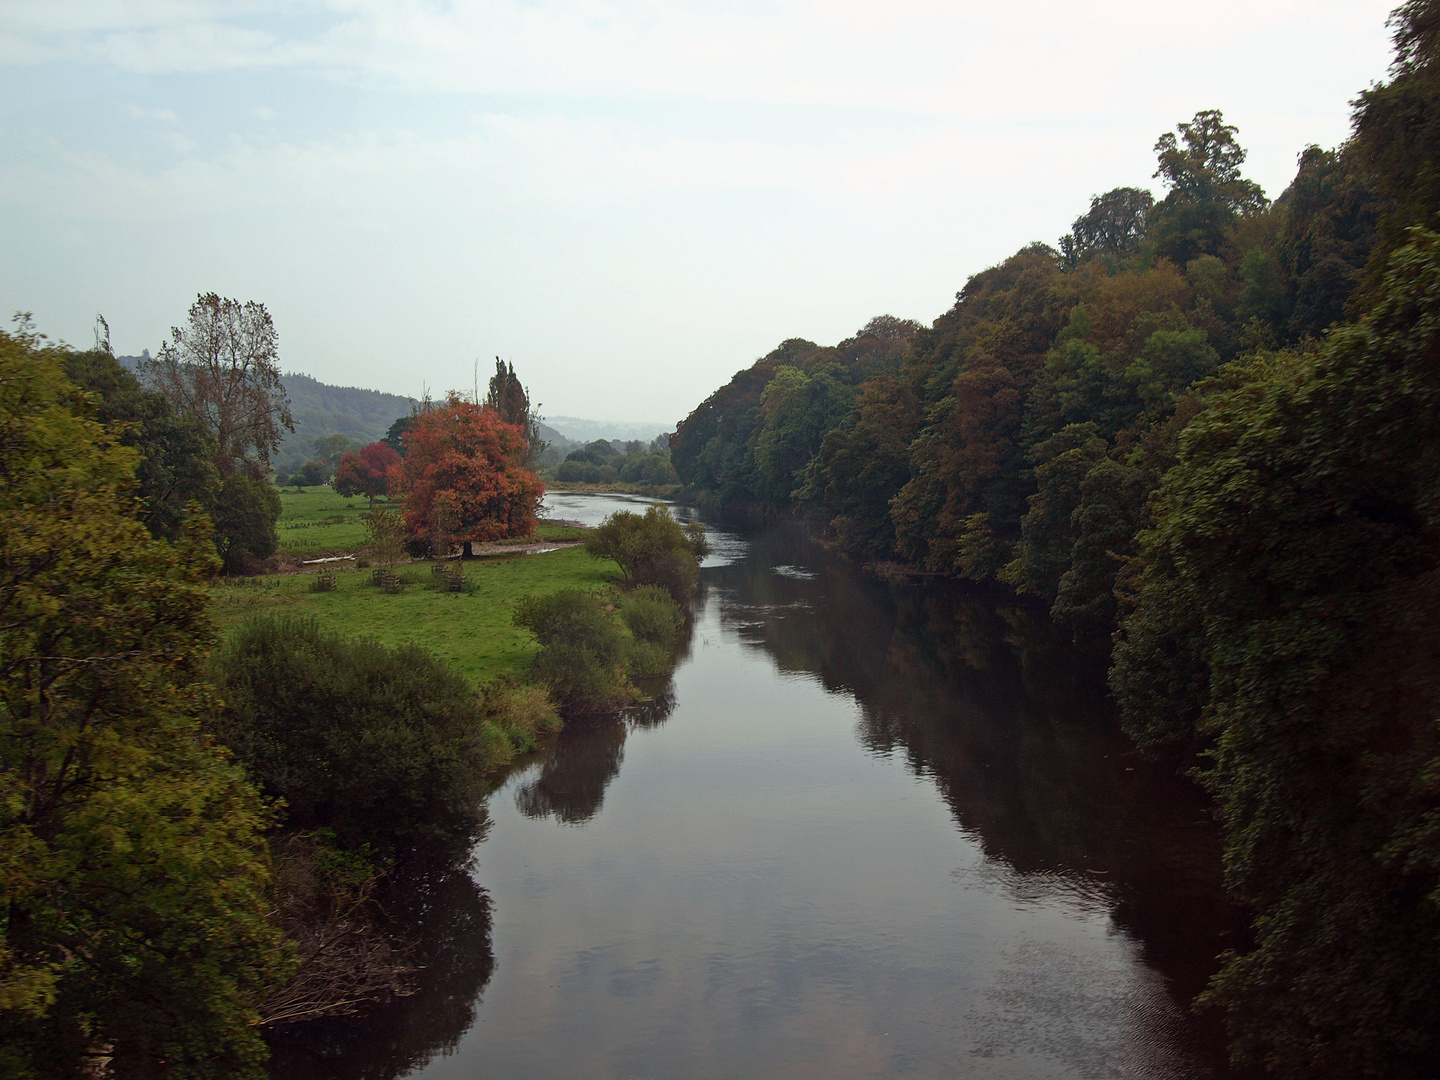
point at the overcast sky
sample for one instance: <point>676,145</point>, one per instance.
<point>630,200</point>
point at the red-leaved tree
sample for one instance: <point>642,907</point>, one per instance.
<point>366,473</point>
<point>462,474</point>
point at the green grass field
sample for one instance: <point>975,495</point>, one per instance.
<point>469,630</point>
<point>317,521</point>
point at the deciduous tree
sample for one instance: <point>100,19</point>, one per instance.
<point>132,867</point>
<point>222,368</point>
<point>465,459</point>
<point>366,473</point>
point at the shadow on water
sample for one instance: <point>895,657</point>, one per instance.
<point>448,916</point>
<point>587,755</point>
<point>983,696</point>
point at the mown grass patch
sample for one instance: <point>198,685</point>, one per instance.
<point>470,630</point>
<point>318,521</point>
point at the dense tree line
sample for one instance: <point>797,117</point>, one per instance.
<point>1203,429</point>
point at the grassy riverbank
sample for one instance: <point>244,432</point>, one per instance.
<point>470,631</point>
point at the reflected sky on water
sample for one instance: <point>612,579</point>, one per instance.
<point>867,830</point>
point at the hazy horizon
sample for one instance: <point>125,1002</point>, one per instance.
<point>629,201</point>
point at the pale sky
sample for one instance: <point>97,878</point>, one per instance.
<point>629,200</point>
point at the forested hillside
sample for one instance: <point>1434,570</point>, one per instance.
<point>363,416</point>
<point>1202,431</point>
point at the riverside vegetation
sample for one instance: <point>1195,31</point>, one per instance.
<point>195,829</point>
<point>1202,433</point>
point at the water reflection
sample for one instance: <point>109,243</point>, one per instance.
<point>981,695</point>
<point>448,916</point>
<point>585,757</point>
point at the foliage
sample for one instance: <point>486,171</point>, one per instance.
<point>1293,562</point>
<point>386,747</point>
<point>511,401</point>
<point>222,369</point>
<point>463,463</point>
<point>366,473</point>
<point>656,623</point>
<point>1397,135</point>
<point>175,450</point>
<point>583,649</point>
<point>245,513</point>
<point>1207,192</point>
<point>131,859</point>
<point>1113,228</point>
<point>651,548</point>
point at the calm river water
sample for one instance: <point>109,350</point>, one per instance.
<point>867,830</point>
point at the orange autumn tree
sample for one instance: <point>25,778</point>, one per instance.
<point>462,475</point>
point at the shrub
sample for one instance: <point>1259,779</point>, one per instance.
<point>656,622</point>
<point>651,549</point>
<point>583,651</point>
<point>385,747</point>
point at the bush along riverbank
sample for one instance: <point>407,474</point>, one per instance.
<point>378,759</point>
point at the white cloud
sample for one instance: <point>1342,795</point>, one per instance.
<point>615,189</point>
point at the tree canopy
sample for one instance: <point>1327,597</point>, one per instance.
<point>222,368</point>
<point>463,476</point>
<point>131,860</point>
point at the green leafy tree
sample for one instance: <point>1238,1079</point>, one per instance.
<point>175,450</point>
<point>796,410</point>
<point>245,513</point>
<point>1207,193</point>
<point>1397,135</point>
<point>386,747</point>
<point>651,548</point>
<point>1113,228</point>
<point>131,860</point>
<point>1284,617</point>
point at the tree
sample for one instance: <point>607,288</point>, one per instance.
<point>331,448</point>
<point>222,369</point>
<point>1114,227</point>
<point>512,401</point>
<point>245,512</point>
<point>132,864</point>
<point>465,460</point>
<point>1397,134</point>
<point>1207,192</point>
<point>366,473</point>
<point>312,474</point>
<point>651,548</point>
<point>175,450</point>
<point>1284,619</point>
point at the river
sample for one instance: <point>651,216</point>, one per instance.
<point>866,830</point>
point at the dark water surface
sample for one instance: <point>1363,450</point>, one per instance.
<point>867,830</point>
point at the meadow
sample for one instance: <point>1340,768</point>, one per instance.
<point>470,630</point>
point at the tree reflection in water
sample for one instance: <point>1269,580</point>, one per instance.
<point>586,756</point>
<point>448,916</point>
<point>980,694</point>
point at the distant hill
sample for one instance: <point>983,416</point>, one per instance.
<point>319,409</point>
<point>584,431</point>
<point>363,416</point>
